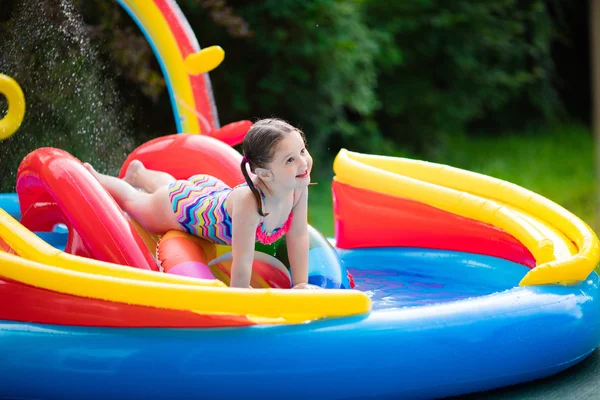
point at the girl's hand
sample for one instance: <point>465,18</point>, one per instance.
<point>306,286</point>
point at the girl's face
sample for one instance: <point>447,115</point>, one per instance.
<point>291,163</point>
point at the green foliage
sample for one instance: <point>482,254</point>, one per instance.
<point>311,62</point>
<point>557,163</point>
<point>455,65</point>
<point>69,102</point>
<point>115,35</point>
<point>371,75</point>
<point>374,75</point>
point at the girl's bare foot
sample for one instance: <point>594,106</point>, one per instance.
<point>103,179</point>
<point>133,169</point>
<point>89,167</point>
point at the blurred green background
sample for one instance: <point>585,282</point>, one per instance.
<point>499,87</point>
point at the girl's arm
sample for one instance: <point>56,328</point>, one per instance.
<point>244,220</point>
<point>297,241</point>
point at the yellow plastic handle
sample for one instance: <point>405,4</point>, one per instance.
<point>16,106</point>
<point>205,60</point>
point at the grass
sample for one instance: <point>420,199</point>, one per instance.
<point>557,163</point>
<point>320,205</point>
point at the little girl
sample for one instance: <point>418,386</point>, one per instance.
<point>272,204</point>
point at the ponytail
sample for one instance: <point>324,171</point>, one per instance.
<point>252,187</point>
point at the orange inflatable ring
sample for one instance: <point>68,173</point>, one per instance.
<point>181,253</point>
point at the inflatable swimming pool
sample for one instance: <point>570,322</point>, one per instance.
<point>431,315</point>
<point>439,281</point>
<point>441,322</point>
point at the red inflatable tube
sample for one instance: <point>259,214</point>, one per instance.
<point>233,133</point>
<point>365,218</point>
<point>19,302</point>
<point>54,187</point>
<point>183,155</point>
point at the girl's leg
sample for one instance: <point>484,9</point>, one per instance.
<point>151,210</point>
<point>138,175</point>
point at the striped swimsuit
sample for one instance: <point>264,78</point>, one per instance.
<point>200,205</point>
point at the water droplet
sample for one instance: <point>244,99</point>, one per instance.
<point>71,104</point>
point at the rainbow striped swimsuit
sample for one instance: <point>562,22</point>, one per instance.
<point>200,205</point>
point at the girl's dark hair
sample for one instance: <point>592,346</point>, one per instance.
<point>259,147</point>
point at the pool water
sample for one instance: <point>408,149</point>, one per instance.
<point>407,277</point>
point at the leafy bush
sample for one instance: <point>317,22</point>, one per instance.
<point>70,103</point>
<point>371,75</point>
<point>457,65</point>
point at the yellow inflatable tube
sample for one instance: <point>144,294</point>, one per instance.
<point>16,106</point>
<point>43,266</point>
<point>576,268</point>
<point>28,245</point>
<point>563,247</point>
<point>458,191</point>
<point>286,305</point>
